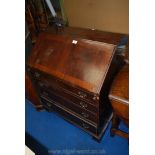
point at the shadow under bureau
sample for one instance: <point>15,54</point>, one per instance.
<point>72,77</point>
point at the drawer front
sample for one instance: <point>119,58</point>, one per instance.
<point>79,93</point>
<point>85,114</point>
<point>82,104</point>
<point>70,116</point>
<point>72,89</point>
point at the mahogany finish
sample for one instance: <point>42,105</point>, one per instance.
<point>119,97</point>
<point>31,93</point>
<point>73,79</point>
<point>122,55</point>
<point>60,56</point>
<point>91,34</point>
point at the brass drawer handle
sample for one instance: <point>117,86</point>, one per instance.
<point>41,84</point>
<point>45,93</point>
<point>85,115</point>
<point>85,126</point>
<point>48,104</point>
<point>95,97</point>
<point>37,74</point>
<point>82,95</point>
<point>83,105</point>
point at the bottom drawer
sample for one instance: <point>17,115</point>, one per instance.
<point>91,129</point>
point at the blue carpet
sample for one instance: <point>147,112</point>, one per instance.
<point>57,136</point>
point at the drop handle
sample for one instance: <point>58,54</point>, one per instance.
<point>95,98</point>
<point>85,126</point>
<point>37,74</point>
<point>48,104</point>
<point>45,93</point>
<point>85,115</point>
<point>83,105</point>
<point>82,95</point>
<point>41,84</point>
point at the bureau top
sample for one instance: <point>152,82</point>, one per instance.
<point>91,34</point>
<point>80,62</point>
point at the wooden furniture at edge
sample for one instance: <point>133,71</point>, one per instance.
<point>74,79</point>
<point>119,97</point>
<point>31,93</point>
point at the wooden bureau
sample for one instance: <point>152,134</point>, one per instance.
<point>72,76</point>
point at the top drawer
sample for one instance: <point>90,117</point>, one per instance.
<point>71,88</point>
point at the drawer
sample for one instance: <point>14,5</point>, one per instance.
<point>67,86</point>
<point>79,93</point>
<point>71,117</point>
<point>85,114</point>
<point>81,104</point>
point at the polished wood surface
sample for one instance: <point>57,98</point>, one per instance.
<point>84,64</point>
<point>90,34</point>
<point>73,76</point>
<point>120,88</point>
<point>119,97</point>
<point>97,35</point>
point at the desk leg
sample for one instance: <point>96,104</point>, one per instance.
<point>115,124</point>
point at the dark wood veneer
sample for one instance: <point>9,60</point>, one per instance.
<point>74,79</point>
